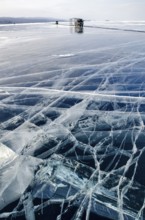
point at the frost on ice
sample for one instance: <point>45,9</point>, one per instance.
<point>72,134</point>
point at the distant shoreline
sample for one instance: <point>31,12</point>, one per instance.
<point>19,20</point>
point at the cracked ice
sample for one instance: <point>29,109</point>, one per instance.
<point>72,115</point>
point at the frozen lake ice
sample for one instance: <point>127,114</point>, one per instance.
<point>72,115</point>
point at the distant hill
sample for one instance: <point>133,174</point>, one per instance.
<point>13,20</point>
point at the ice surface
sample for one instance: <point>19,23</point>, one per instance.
<point>17,172</point>
<point>72,115</point>
<point>6,155</point>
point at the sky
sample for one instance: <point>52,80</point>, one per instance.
<point>86,9</point>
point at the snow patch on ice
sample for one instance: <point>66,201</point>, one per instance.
<point>6,155</point>
<point>64,55</point>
